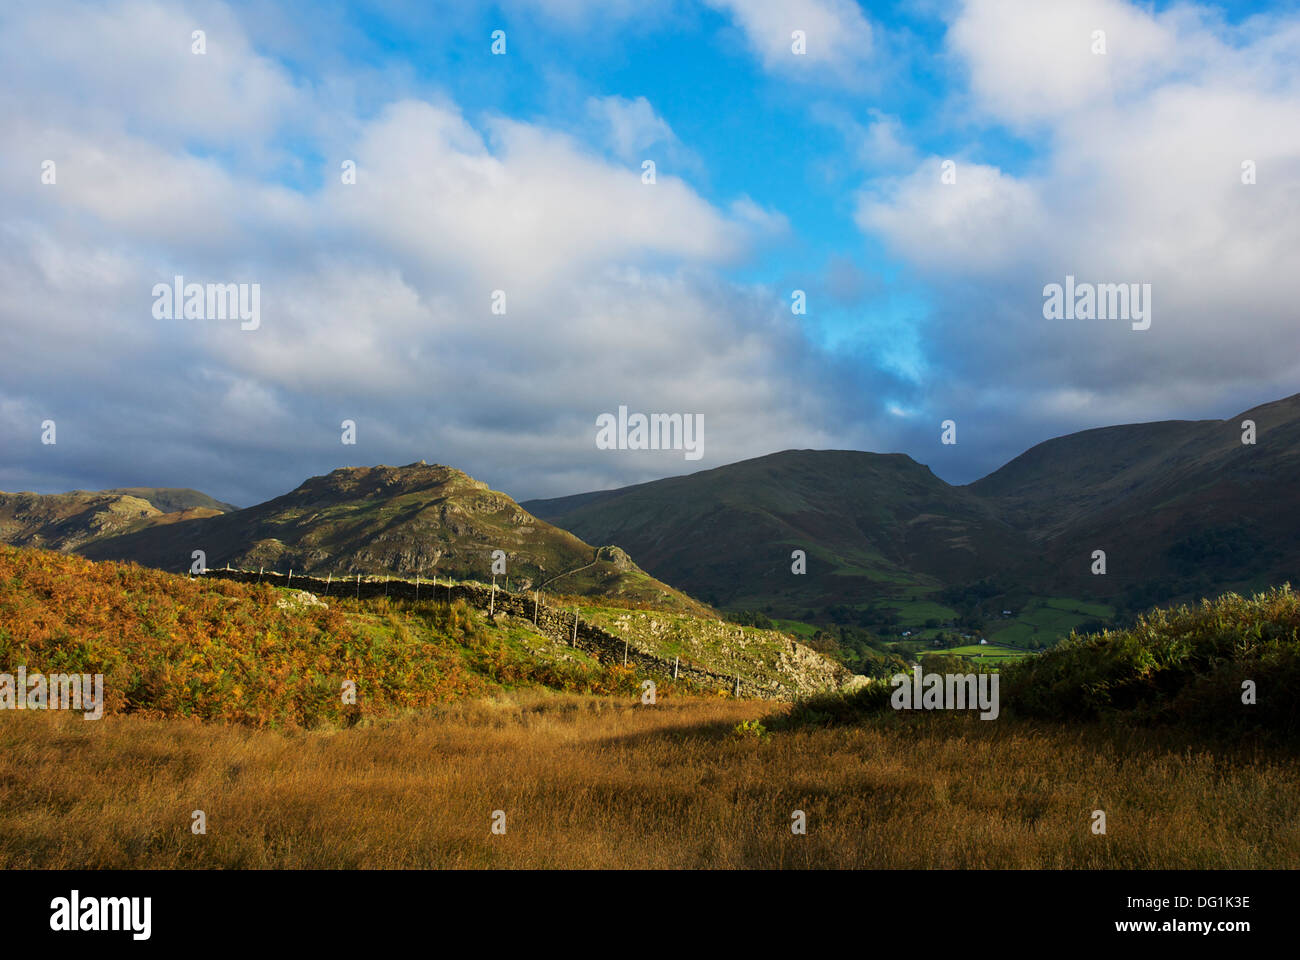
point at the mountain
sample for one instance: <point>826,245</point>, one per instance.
<point>404,521</point>
<point>870,525</point>
<point>68,521</point>
<point>1179,507</point>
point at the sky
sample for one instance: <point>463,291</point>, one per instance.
<point>920,172</point>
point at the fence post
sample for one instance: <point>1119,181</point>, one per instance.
<point>675,662</point>
<point>492,602</point>
<point>328,580</point>
<point>358,586</point>
<point>575,626</point>
<point>385,586</point>
<point>259,574</point>
<point>534,608</point>
<point>417,587</point>
<point>290,580</point>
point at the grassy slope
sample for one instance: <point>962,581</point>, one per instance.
<point>213,650</point>
<point>761,656</point>
<point>1185,665</point>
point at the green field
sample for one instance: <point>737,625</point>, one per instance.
<point>988,655</point>
<point>990,651</point>
<point>797,627</point>
<point>914,613</point>
<point>1046,619</point>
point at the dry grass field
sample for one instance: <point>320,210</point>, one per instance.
<point>589,782</point>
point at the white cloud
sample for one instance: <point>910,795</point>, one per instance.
<point>984,219</point>
<point>1139,181</point>
<point>139,54</point>
<point>631,126</point>
<point>532,208</point>
<point>1032,61</point>
<point>839,37</point>
<point>375,296</point>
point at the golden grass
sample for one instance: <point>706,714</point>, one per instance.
<point>590,782</point>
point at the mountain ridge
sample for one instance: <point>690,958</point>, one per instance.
<point>1160,497</point>
<point>405,521</point>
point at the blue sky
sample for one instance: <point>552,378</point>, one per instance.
<point>521,172</point>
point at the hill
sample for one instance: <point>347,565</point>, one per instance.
<point>1182,508</point>
<point>870,524</point>
<point>231,647</point>
<point>68,521</point>
<point>171,646</point>
<point>174,499</point>
<point>418,519</point>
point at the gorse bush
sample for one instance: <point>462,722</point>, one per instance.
<point>170,646</point>
<point>1184,665</point>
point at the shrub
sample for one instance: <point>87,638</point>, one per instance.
<point>1182,665</point>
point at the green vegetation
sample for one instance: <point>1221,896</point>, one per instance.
<point>800,629</point>
<point>1042,622</point>
<point>985,655</point>
<point>1190,665</point>
<point>761,656</point>
<point>1194,667</point>
<point>169,646</point>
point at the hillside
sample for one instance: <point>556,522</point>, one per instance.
<point>871,524</point>
<point>233,647</point>
<point>1188,665</point>
<point>171,646</point>
<point>174,499</point>
<point>1222,669</point>
<point>68,521</point>
<point>403,521</point>
<point>1181,508</point>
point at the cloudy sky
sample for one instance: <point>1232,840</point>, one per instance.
<point>523,172</point>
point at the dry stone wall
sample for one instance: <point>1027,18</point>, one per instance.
<point>556,622</point>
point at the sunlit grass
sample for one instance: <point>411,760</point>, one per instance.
<point>602,782</point>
